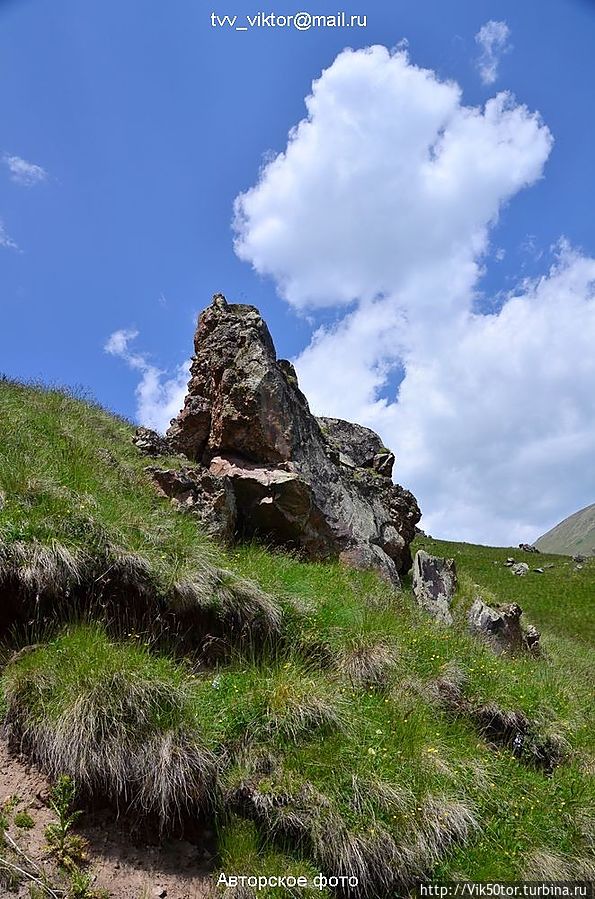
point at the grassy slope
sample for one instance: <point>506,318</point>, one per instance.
<point>389,763</point>
<point>576,534</point>
<point>80,518</point>
<point>70,475</point>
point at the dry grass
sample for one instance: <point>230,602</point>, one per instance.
<point>546,865</point>
<point>382,862</point>
<point>371,794</point>
<point>367,662</point>
<point>37,568</point>
<point>441,823</point>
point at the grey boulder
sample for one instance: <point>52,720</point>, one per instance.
<point>434,585</point>
<point>500,627</point>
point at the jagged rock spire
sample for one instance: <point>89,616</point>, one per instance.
<point>320,485</point>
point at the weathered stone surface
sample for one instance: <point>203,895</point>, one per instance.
<point>500,627</point>
<point>531,638</point>
<point>322,486</point>
<point>520,569</point>
<point>240,400</point>
<point>367,556</point>
<point>528,548</point>
<point>151,443</point>
<point>434,584</point>
<point>195,490</point>
<point>357,446</point>
<point>274,504</point>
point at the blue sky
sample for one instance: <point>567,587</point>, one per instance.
<point>148,122</point>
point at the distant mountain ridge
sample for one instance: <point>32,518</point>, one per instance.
<point>576,534</point>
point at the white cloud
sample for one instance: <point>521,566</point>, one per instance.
<point>493,40</point>
<point>25,173</point>
<point>381,207</point>
<point>497,428</point>
<point>6,240</point>
<point>159,396</point>
<point>117,345</point>
<point>388,170</point>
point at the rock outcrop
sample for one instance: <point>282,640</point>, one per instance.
<point>196,490</point>
<point>500,627</point>
<point>151,443</point>
<point>434,585</point>
<point>322,486</point>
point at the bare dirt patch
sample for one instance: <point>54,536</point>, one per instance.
<point>124,861</point>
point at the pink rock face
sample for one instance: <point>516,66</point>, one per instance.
<point>276,503</point>
<point>322,486</point>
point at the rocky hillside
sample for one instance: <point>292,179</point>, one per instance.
<point>575,535</point>
<point>183,706</point>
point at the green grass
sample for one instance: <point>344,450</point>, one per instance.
<point>559,600</point>
<point>71,477</point>
<point>24,820</point>
<point>327,750</point>
<point>244,852</point>
<point>81,525</point>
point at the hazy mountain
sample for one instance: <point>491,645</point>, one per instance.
<point>576,534</point>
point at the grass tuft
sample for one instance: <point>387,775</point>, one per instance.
<point>441,823</point>
<point>117,721</point>
<point>367,662</point>
<point>545,864</point>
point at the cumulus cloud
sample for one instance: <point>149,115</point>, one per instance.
<point>6,240</point>
<point>493,39</point>
<point>497,428</point>
<point>25,173</point>
<point>159,396</point>
<point>381,208</point>
<point>388,170</point>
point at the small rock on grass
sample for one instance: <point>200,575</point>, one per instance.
<point>500,627</point>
